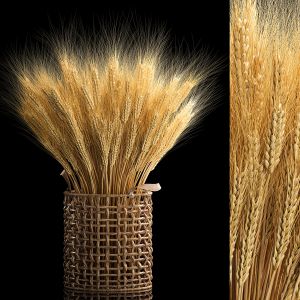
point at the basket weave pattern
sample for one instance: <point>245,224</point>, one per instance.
<point>77,295</point>
<point>108,242</point>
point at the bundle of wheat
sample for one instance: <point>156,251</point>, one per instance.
<point>264,151</point>
<point>108,114</point>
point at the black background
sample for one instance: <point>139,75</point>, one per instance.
<point>190,212</point>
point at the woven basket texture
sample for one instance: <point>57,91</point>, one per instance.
<point>75,295</point>
<point>108,242</point>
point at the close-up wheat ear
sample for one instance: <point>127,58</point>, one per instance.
<point>264,150</point>
<point>109,114</point>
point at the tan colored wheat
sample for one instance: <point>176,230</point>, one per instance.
<point>108,115</point>
<point>264,151</point>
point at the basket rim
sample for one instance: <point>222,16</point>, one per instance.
<point>133,195</point>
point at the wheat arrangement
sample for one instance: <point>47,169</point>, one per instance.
<point>264,150</point>
<point>106,112</point>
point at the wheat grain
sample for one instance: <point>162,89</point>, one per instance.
<point>236,206</point>
<point>276,134</point>
<point>252,227</point>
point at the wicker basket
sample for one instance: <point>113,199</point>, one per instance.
<point>108,242</point>
<point>75,295</point>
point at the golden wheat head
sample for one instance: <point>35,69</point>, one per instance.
<point>106,112</point>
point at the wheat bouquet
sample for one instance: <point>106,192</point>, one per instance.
<point>265,150</point>
<point>108,112</point>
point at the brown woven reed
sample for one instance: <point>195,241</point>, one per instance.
<point>108,242</point>
<point>75,295</point>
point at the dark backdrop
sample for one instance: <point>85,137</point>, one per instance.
<point>190,212</point>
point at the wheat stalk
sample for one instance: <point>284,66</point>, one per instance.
<point>109,113</point>
<point>264,150</point>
